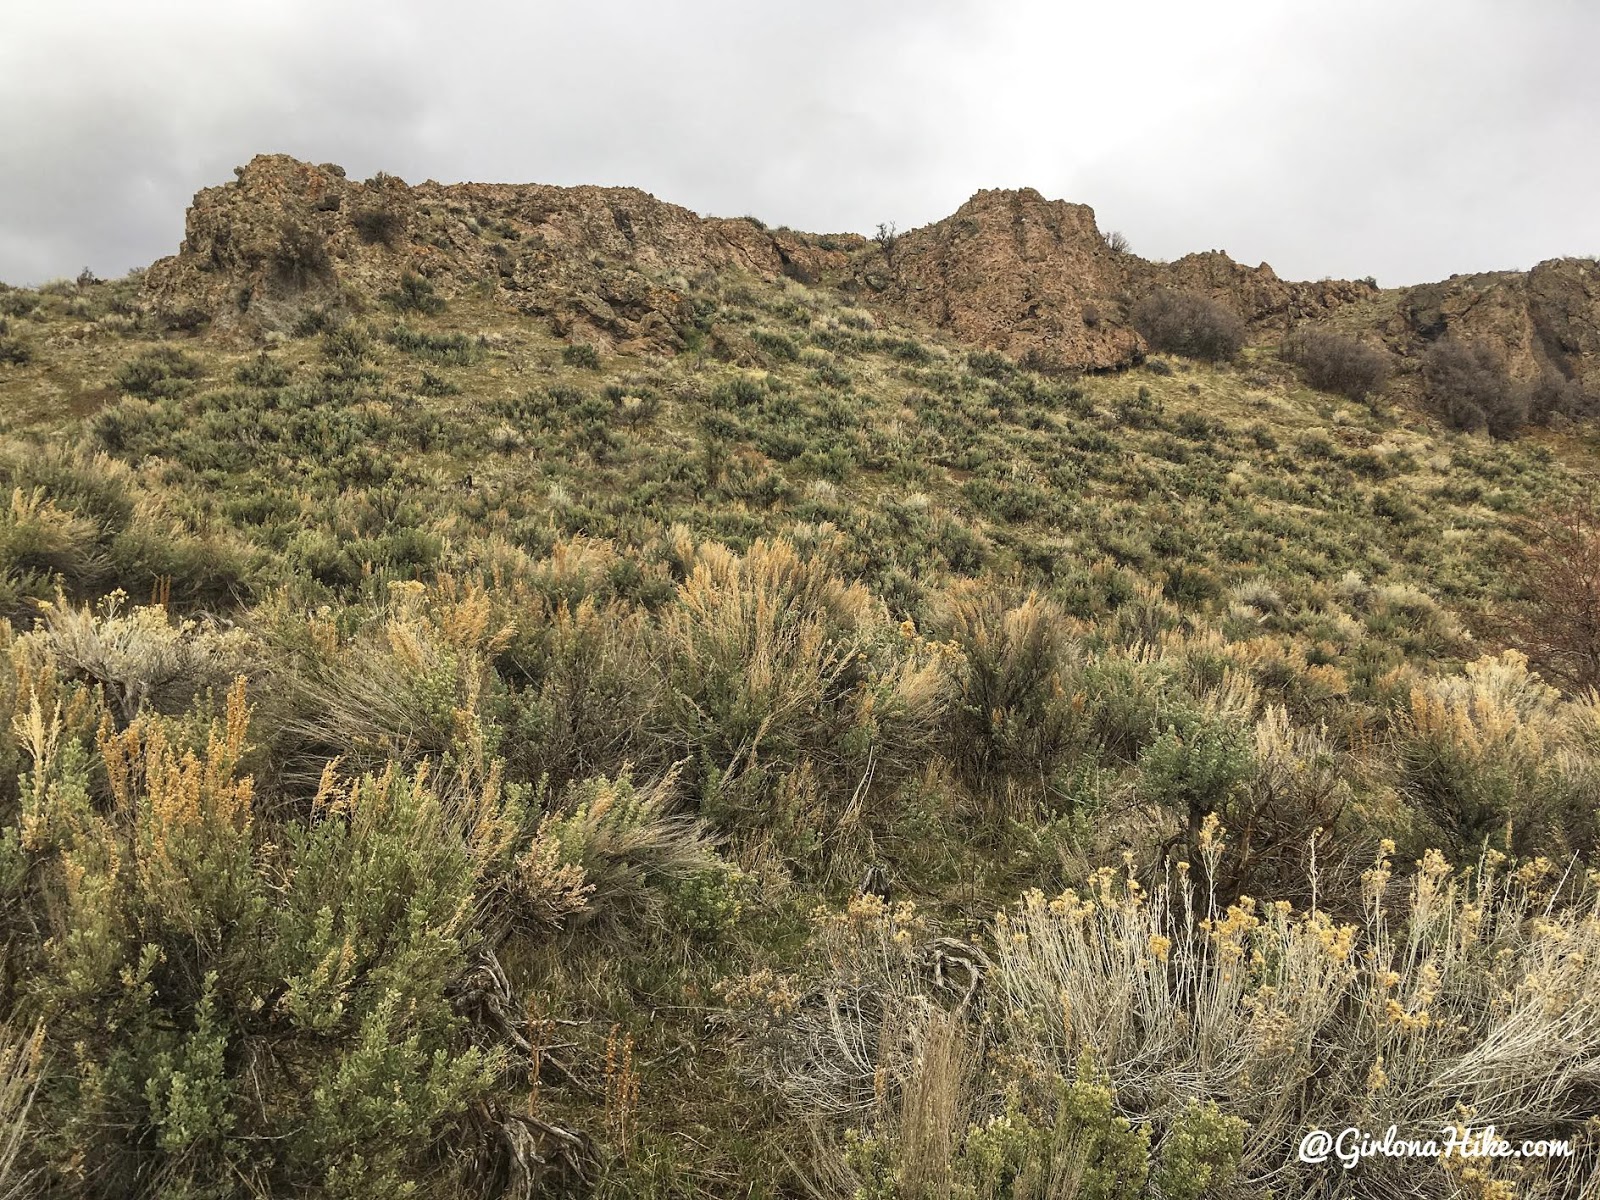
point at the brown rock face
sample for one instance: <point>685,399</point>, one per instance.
<point>1269,304</point>
<point>1547,319</point>
<point>1008,271</point>
<point>1014,272</point>
<point>1035,278</point>
<point>606,265</point>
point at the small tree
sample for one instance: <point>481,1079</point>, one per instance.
<point>888,240</point>
<point>1117,242</point>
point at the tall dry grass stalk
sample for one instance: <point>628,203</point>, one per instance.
<point>21,1061</point>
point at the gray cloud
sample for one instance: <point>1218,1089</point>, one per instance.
<point>1398,138</point>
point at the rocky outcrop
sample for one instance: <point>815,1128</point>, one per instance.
<point>1271,305</point>
<point>1539,321</point>
<point>604,265</point>
<point>1014,272</point>
<point>1035,278</point>
<point>1008,271</point>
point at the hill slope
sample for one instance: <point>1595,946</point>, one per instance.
<point>521,690</point>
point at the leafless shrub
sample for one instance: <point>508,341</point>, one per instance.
<point>888,241</point>
<point>1189,324</point>
<point>1560,625</point>
<point>1334,363</point>
<point>1469,385</point>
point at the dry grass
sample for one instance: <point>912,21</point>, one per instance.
<point>21,1062</point>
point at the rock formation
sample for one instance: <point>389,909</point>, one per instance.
<point>1035,278</point>
<point>605,265</point>
<point>1546,319</point>
<point>1008,271</point>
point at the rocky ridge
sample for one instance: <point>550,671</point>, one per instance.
<point>603,265</point>
<point>1008,271</point>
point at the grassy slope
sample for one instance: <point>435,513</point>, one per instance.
<point>1148,505</point>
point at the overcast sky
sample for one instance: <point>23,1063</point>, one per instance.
<point>1396,138</point>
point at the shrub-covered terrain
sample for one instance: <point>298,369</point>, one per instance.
<point>440,760</point>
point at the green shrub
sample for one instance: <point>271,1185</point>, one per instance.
<point>317,319</point>
<point>582,690</point>
<point>1471,755</point>
<point>415,294</point>
<point>581,354</point>
<point>1200,764</point>
<point>642,863</point>
<point>234,1006</point>
<point>264,371</point>
<point>990,365</point>
<point>1013,719</point>
<point>18,302</point>
<point>450,349</point>
<point>162,373</point>
<point>779,345</point>
<point>43,547</point>
<point>1200,1153</point>
<point>1015,1155</point>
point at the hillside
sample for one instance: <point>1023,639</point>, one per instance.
<point>518,690</point>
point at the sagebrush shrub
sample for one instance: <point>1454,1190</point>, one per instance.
<point>142,659</point>
<point>791,691</point>
<point>1217,1033</point>
<point>161,373</point>
<point>379,224</point>
<point>21,1064</point>
<point>1476,754</point>
<point>581,354</point>
<point>415,294</point>
<point>42,548</point>
<point>14,350</point>
<point>1016,714</point>
<point>452,349</point>
<point>635,851</point>
<point>583,684</point>
<point>327,948</point>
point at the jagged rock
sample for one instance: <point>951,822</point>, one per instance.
<point>1546,319</point>
<point>1269,304</point>
<point>605,265</point>
<point>1008,271</point>
<point>1014,272</point>
<point>1035,278</point>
